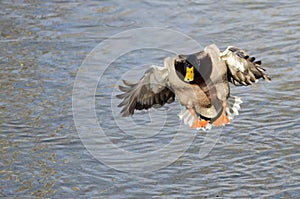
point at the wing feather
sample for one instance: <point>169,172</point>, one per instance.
<point>242,69</point>
<point>151,90</point>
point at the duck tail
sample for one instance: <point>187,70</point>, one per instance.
<point>186,116</point>
<point>233,106</point>
<point>232,109</point>
<point>188,119</point>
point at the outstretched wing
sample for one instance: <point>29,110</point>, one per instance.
<point>242,69</point>
<point>151,91</point>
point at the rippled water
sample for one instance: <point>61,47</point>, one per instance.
<point>42,47</point>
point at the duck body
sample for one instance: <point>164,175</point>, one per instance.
<point>200,82</point>
<point>209,87</point>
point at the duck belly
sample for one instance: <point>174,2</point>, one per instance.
<point>205,104</point>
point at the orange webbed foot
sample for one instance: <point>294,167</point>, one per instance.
<point>199,124</point>
<point>223,119</point>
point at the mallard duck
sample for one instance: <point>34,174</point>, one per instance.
<point>199,81</point>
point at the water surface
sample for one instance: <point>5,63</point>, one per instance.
<point>42,47</point>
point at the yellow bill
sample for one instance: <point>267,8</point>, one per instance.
<point>189,75</point>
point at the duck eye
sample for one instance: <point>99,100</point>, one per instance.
<point>186,64</point>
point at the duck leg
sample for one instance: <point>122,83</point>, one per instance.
<point>223,119</point>
<point>197,123</point>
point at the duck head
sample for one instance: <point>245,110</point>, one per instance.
<point>189,67</point>
<point>189,73</point>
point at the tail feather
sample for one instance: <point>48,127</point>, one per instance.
<point>232,109</point>
<point>233,106</point>
<point>186,116</point>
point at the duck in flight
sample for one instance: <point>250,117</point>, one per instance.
<point>199,81</point>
